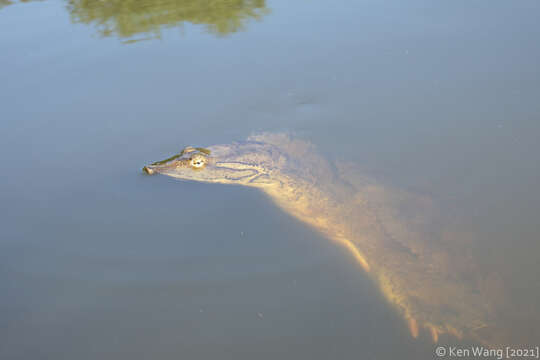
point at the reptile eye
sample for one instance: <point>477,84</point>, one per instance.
<point>197,161</point>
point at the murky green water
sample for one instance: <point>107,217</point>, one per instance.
<point>99,261</point>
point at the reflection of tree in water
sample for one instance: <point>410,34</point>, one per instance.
<point>9,2</point>
<point>126,18</point>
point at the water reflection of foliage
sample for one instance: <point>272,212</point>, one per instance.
<point>10,2</point>
<point>127,18</point>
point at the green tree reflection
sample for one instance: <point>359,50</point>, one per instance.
<point>129,18</point>
<point>4,3</point>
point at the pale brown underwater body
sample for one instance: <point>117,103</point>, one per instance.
<point>425,271</point>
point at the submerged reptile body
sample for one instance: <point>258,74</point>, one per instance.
<point>423,271</point>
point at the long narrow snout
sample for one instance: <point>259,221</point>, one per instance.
<point>155,166</point>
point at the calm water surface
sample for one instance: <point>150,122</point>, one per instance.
<point>99,261</point>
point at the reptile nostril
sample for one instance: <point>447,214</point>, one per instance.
<point>147,170</point>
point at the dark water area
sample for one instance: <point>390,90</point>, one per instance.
<point>98,260</point>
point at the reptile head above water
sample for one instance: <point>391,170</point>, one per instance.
<point>248,163</point>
